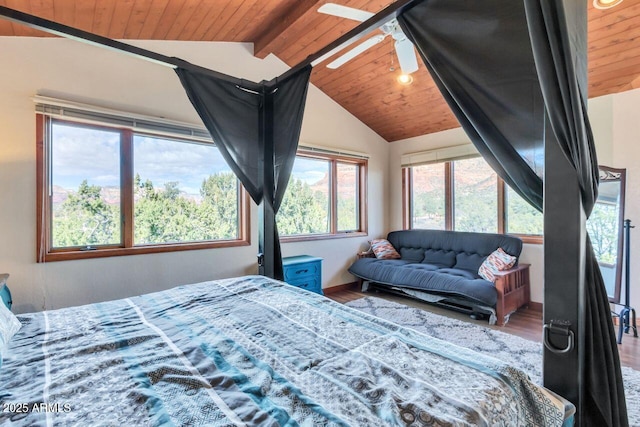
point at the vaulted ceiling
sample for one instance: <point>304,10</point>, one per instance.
<point>293,29</point>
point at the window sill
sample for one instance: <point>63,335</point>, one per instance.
<point>311,237</point>
<point>66,255</point>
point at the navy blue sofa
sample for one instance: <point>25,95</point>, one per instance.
<point>442,266</point>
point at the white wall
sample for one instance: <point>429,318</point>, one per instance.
<point>74,71</point>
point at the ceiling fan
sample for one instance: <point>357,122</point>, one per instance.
<point>404,47</point>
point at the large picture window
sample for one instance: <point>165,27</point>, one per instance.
<point>324,198</point>
<point>106,191</point>
<point>466,195</point>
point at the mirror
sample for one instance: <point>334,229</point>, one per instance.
<point>606,228</point>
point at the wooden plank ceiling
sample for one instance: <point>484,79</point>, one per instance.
<point>293,29</point>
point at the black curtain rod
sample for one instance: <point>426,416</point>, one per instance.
<point>371,24</point>
<point>105,42</point>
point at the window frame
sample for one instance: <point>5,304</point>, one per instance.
<point>362,192</point>
<point>47,253</point>
<point>501,214</point>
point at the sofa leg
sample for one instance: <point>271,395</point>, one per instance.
<point>365,285</point>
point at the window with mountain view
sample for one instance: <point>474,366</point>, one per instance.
<point>475,196</point>
<point>323,198</point>
<point>85,187</point>
<point>114,191</point>
<point>466,195</point>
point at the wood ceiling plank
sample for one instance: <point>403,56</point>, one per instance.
<point>228,12</point>
<point>140,11</point>
<point>598,18</point>
<point>614,68</point>
<point>270,14</point>
<point>618,78</point>
<point>152,20</point>
<point>186,14</point>
<point>265,12</point>
<point>84,13</point>
<point>393,101</point>
<point>376,61</point>
<point>612,54</point>
<point>305,42</point>
<point>602,26</point>
<point>211,19</point>
<point>169,15</point>
<point>615,38</point>
<point>276,35</point>
<point>103,15</point>
<point>241,19</point>
<point>203,12</point>
<point>120,18</point>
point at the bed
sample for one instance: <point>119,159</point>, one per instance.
<point>252,351</point>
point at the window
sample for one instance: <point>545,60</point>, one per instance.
<point>324,197</point>
<point>117,191</point>
<point>475,196</point>
<point>428,196</point>
<point>521,217</point>
<point>466,195</point>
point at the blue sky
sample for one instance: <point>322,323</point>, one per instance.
<point>80,153</point>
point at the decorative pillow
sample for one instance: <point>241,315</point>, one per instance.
<point>499,260</point>
<point>384,249</point>
<point>9,325</point>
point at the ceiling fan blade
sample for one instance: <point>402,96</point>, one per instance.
<point>355,51</point>
<point>345,12</point>
<point>406,56</point>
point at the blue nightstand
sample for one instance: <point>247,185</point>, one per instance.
<point>5,294</point>
<point>303,271</point>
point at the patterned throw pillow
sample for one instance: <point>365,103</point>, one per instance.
<point>9,325</point>
<point>499,260</point>
<point>384,249</point>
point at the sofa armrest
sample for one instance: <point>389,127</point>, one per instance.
<point>366,254</point>
<point>514,290</point>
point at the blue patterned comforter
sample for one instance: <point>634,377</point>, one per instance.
<point>252,351</point>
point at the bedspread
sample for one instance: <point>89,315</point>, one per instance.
<point>252,351</point>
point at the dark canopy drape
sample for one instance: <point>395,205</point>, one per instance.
<point>247,120</point>
<point>502,67</point>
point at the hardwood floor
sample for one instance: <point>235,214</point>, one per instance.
<point>525,323</point>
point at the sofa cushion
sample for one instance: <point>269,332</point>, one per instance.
<point>383,249</point>
<point>425,277</point>
<point>469,261</point>
<point>380,269</point>
<point>412,254</point>
<point>439,257</point>
<point>459,272</point>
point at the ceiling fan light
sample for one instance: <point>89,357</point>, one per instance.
<point>404,79</point>
<point>605,4</point>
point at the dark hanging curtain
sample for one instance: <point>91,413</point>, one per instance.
<point>502,66</point>
<point>553,26</point>
<point>247,119</point>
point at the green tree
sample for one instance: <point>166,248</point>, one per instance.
<point>85,219</point>
<point>602,227</point>
<point>219,208</point>
<point>303,211</point>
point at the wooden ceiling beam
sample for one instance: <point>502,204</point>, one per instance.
<point>276,36</point>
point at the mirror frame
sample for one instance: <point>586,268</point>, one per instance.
<point>613,174</point>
